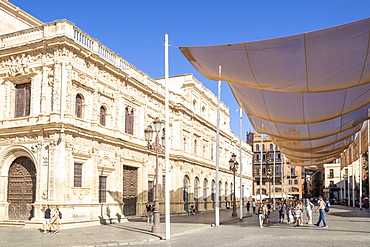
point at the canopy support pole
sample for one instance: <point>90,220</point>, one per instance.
<point>240,162</point>
<point>217,209</point>
<point>167,145</point>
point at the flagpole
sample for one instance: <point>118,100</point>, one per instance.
<point>217,210</point>
<point>240,162</point>
<point>167,144</point>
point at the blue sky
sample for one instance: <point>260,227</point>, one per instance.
<point>135,29</point>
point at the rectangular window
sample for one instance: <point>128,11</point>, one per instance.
<point>22,100</point>
<point>150,191</point>
<point>77,175</point>
<point>102,189</point>
<point>129,122</point>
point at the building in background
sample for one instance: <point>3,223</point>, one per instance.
<point>289,179</point>
<point>72,121</point>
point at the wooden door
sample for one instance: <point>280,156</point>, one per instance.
<point>129,190</point>
<point>21,189</point>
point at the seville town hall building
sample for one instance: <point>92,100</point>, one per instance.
<point>72,121</point>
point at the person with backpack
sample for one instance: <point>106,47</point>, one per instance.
<point>321,207</point>
<point>55,220</point>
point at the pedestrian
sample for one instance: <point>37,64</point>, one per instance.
<point>327,205</point>
<point>152,214</point>
<point>148,209</point>
<point>268,212</point>
<point>298,214</point>
<point>254,205</point>
<point>55,220</point>
<point>309,207</point>
<point>248,206</point>
<point>262,211</point>
<point>227,205</point>
<point>321,209</point>
<point>282,212</point>
<point>46,222</point>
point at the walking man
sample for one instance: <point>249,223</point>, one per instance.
<point>248,205</point>
<point>47,216</point>
<point>254,205</point>
<point>321,209</point>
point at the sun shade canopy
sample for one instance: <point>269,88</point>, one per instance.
<point>310,92</point>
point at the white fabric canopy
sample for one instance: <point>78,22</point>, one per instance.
<point>311,89</point>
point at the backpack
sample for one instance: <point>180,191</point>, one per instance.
<point>60,215</point>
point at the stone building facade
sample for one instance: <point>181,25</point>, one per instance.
<point>72,121</point>
<point>289,179</point>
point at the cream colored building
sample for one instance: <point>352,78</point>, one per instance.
<point>72,121</point>
<point>289,179</point>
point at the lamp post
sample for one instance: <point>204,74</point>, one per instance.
<point>156,228</point>
<point>234,167</point>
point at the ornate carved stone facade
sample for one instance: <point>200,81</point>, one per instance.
<point>71,124</point>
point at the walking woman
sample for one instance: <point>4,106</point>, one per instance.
<point>321,208</point>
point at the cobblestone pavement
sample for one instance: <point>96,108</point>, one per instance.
<point>347,227</point>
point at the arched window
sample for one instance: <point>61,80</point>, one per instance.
<point>226,191</point>
<point>78,106</point>
<point>103,115</point>
<point>196,193</point>
<point>205,185</point>
<point>129,121</point>
<point>263,147</point>
<point>213,189</point>
<point>186,193</point>
<point>257,148</point>
<point>271,147</point>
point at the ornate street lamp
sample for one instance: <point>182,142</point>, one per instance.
<point>234,167</point>
<point>157,147</point>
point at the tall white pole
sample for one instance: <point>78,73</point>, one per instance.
<point>261,168</point>
<point>217,210</point>
<point>273,178</point>
<point>240,162</point>
<point>167,144</point>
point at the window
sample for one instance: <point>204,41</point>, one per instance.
<point>211,153</point>
<point>150,191</point>
<point>263,147</point>
<point>184,144</point>
<point>331,173</point>
<point>292,171</point>
<point>77,181</point>
<point>103,114</point>
<point>204,151</point>
<point>257,148</point>
<point>331,183</point>
<point>129,121</point>
<point>195,146</point>
<point>102,189</point>
<point>22,100</point>
<point>78,107</point>
<point>271,147</point>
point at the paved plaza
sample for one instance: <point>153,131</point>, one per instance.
<point>347,227</point>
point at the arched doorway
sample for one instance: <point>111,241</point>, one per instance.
<point>21,189</point>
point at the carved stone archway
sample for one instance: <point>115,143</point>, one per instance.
<point>21,189</point>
